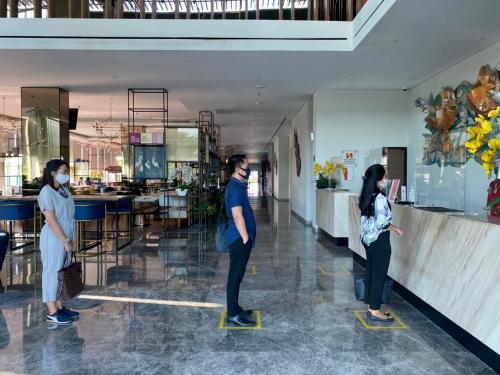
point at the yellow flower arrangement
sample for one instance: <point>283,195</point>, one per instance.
<point>482,144</point>
<point>326,172</point>
<point>317,168</point>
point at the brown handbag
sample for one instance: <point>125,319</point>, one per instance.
<point>69,280</point>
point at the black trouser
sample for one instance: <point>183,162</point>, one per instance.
<point>238,256</point>
<point>378,256</point>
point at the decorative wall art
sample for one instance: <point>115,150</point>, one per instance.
<point>479,95</point>
<point>149,162</point>
<point>452,112</point>
<point>298,160</point>
<point>275,164</point>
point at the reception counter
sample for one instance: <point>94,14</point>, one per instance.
<point>332,212</point>
<point>451,263</point>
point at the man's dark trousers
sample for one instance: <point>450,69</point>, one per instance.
<point>238,256</point>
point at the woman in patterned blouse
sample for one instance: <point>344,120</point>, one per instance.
<point>376,224</point>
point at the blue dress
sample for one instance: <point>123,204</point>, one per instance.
<point>52,248</point>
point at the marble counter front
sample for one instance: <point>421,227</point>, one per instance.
<point>450,262</point>
<point>332,212</point>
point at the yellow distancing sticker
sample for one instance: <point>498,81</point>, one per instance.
<point>253,270</point>
<point>343,272</point>
<point>222,322</point>
<point>400,324</point>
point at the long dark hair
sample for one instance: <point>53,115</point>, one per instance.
<point>373,174</point>
<point>51,166</point>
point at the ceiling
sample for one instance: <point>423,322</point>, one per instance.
<point>252,92</point>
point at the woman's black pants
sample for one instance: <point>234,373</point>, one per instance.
<point>378,256</point>
<point>238,259</point>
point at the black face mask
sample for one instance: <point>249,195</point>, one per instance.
<point>246,176</point>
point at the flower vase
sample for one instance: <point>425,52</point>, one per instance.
<point>181,192</point>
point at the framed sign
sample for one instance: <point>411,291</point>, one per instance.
<point>350,158</point>
<point>147,138</point>
<point>135,138</point>
<point>158,138</point>
<point>393,193</point>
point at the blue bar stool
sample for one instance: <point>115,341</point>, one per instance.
<point>85,212</point>
<point>121,207</point>
<point>12,211</point>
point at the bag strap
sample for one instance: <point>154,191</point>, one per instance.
<point>72,258</point>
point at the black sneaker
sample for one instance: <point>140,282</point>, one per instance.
<point>59,318</point>
<point>241,321</point>
<point>70,314</point>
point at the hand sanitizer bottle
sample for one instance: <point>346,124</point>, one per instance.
<point>411,195</point>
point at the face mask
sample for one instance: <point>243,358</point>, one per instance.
<point>246,176</point>
<point>62,178</point>
<point>383,184</point>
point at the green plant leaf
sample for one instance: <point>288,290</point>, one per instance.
<point>493,203</point>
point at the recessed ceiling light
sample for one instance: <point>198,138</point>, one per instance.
<point>257,103</point>
<point>260,86</point>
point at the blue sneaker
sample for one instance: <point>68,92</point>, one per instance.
<point>58,318</point>
<point>70,314</point>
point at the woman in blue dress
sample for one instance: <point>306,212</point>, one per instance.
<point>56,237</point>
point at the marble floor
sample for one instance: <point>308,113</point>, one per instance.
<point>158,312</point>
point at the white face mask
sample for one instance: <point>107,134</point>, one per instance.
<point>62,178</point>
<point>383,184</point>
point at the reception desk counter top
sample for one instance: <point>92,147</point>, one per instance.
<point>450,262</point>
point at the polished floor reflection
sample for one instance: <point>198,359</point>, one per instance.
<point>157,311</point>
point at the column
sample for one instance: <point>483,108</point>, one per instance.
<point>45,128</point>
<point>3,8</point>
<point>142,8</point>
<point>154,9</point>
<point>14,8</point>
<point>84,8</point>
<point>37,7</point>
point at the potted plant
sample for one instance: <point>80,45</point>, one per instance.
<point>325,175</point>
<point>184,179</point>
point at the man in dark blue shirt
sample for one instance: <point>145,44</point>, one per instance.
<point>241,232</point>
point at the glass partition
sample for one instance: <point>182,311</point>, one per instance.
<point>440,186</point>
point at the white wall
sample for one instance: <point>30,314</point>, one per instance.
<point>281,187</point>
<point>467,192</point>
<point>302,188</point>
<point>358,120</point>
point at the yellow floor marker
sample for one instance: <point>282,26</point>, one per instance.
<point>253,270</point>
<point>342,272</point>
<point>360,313</point>
<point>222,322</point>
<point>323,272</point>
<point>346,271</point>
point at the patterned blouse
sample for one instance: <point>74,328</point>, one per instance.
<point>373,226</point>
